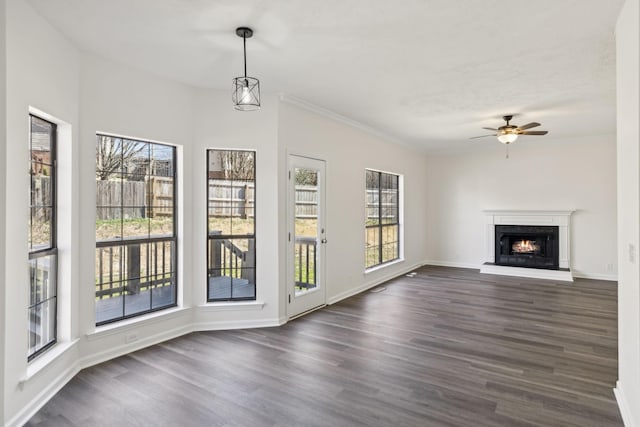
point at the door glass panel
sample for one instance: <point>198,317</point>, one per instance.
<point>306,229</point>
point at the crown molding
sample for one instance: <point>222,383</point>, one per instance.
<point>324,112</point>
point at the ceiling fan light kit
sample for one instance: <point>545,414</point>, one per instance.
<point>245,90</point>
<point>509,133</point>
<point>507,138</point>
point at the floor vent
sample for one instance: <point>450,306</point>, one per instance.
<point>376,290</point>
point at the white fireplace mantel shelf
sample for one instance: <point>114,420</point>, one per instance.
<point>559,218</point>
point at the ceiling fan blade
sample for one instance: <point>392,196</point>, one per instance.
<point>529,126</point>
<point>535,132</point>
<point>495,130</point>
<point>482,136</point>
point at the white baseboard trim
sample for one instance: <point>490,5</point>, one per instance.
<point>452,264</point>
<point>625,409</point>
<point>30,409</point>
<point>234,324</point>
<point>595,276</point>
<point>371,284</point>
<point>123,349</point>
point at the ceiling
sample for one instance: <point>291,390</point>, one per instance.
<point>425,72</point>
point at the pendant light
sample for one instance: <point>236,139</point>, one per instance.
<point>246,90</point>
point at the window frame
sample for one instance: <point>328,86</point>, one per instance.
<point>251,236</point>
<point>52,248</point>
<point>123,243</point>
<point>380,226</point>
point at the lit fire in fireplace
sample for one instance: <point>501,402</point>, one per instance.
<point>525,247</point>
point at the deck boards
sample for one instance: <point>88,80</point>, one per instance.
<point>447,347</point>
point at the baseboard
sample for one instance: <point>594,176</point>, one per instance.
<point>452,264</point>
<point>31,408</point>
<point>595,276</point>
<point>121,350</point>
<point>235,324</point>
<point>625,409</point>
<point>371,284</point>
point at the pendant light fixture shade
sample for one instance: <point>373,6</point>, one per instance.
<point>246,93</point>
<point>245,90</point>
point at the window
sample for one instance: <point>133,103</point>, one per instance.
<point>231,230</point>
<point>382,222</point>
<point>43,252</point>
<point>136,252</point>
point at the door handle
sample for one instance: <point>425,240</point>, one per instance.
<point>323,241</point>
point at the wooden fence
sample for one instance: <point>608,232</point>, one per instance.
<point>40,190</point>
<point>231,198</point>
<point>153,197</point>
<point>306,201</point>
<point>160,196</point>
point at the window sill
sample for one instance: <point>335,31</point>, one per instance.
<point>41,362</point>
<point>134,322</point>
<point>231,306</point>
<point>383,266</point>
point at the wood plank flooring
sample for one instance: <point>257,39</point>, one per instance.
<point>447,347</point>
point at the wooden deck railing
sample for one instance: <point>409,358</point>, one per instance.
<point>305,262</point>
<point>132,266</point>
<point>228,259</point>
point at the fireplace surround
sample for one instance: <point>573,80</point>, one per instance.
<point>528,243</point>
<point>531,246</point>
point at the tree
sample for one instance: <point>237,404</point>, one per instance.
<point>113,153</point>
<point>306,177</point>
<point>237,164</point>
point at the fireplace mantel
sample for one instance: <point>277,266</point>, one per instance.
<point>559,218</point>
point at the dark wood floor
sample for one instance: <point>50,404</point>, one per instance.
<point>448,347</point>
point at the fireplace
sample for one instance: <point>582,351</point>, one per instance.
<point>530,246</point>
<point>535,243</point>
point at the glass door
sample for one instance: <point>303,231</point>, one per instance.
<point>306,235</point>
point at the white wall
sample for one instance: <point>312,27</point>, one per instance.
<point>118,99</point>
<point>42,72</point>
<point>217,125</point>
<point>348,151</point>
<point>3,167</point>
<point>628,72</point>
<point>540,173</point>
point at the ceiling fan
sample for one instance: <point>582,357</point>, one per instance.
<point>509,133</point>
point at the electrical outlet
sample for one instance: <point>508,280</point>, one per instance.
<point>130,338</point>
<point>632,253</point>
<point>610,268</point>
